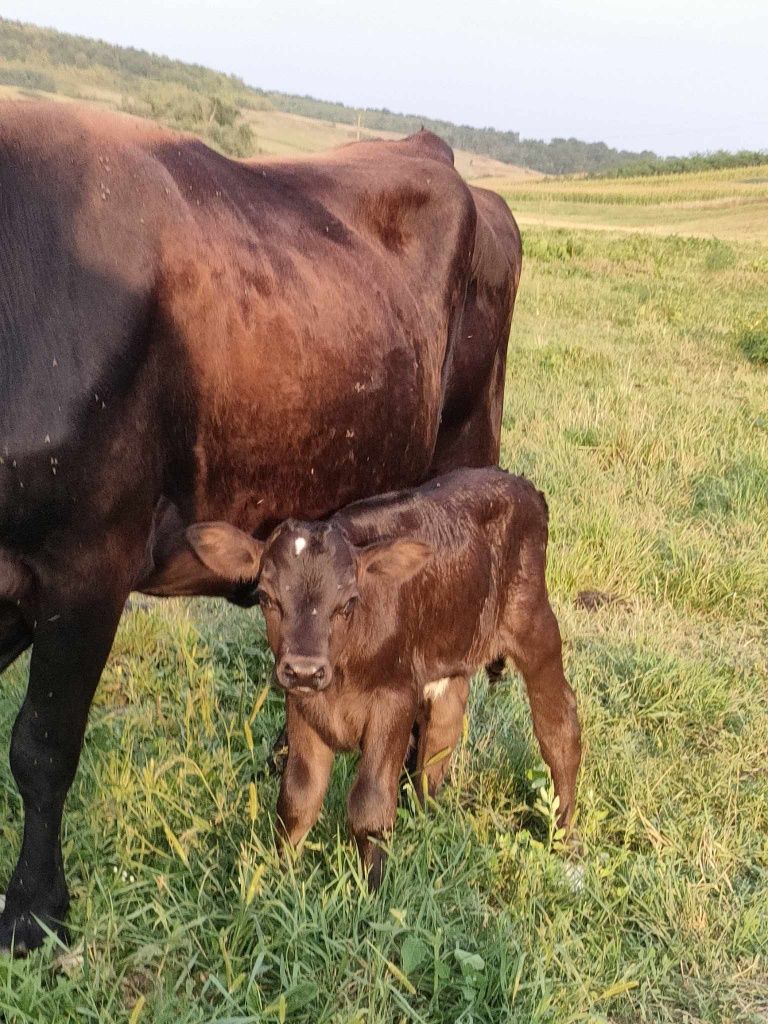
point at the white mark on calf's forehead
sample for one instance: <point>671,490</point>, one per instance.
<point>299,544</point>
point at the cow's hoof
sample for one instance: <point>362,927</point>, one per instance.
<point>23,931</point>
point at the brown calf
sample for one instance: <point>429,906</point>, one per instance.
<point>378,617</point>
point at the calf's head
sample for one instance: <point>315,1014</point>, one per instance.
<point>311,581</point>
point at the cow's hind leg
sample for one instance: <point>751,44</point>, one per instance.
<point>536,649</point>
<point>72,640</point>
<point>441,719</point>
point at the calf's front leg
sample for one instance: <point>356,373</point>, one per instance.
<point>305,777</point>
<point>373,799</point>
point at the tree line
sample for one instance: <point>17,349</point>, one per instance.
<point>716,160</point>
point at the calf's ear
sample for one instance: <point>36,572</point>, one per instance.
<point>396,559</point>
<point>225,550</point>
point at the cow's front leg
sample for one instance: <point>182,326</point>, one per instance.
<point>305,778</point>
<point>373,799</point>
<point>71,645</point>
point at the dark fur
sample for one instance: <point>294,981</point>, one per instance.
<point>365,612</point>
<point>186,337</point>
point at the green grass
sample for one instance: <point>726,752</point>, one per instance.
<point>631,402</point>
<point>753,342</point>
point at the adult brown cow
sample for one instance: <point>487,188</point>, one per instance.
<point>186,337</point>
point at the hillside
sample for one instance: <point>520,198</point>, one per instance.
<point>190,97</point>
<point>43,64</point>
<point>280,133</point>
<point>273,133</point>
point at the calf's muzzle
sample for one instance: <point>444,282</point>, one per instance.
<point>302,673</point>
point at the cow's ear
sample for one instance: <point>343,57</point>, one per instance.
<point>396,559</point>
<point>225,550</point>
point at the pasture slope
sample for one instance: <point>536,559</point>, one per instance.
<point>729,204</point>
<point>636,398</point>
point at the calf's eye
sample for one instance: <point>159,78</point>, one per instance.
<point>346,610</point>
<point>264,599</point>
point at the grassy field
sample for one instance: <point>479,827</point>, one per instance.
<point>727,204</point>
<point>636,398</point>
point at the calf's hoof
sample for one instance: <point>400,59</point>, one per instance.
<point>376,873</point>
<point>373,860</point>
<point>21,928</point>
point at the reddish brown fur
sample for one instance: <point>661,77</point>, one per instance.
<point>366,611</point>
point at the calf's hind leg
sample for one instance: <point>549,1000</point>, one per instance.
<point>537,652</point>
<point>441,719</point>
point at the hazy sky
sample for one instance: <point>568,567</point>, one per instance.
<point>668,75</point>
